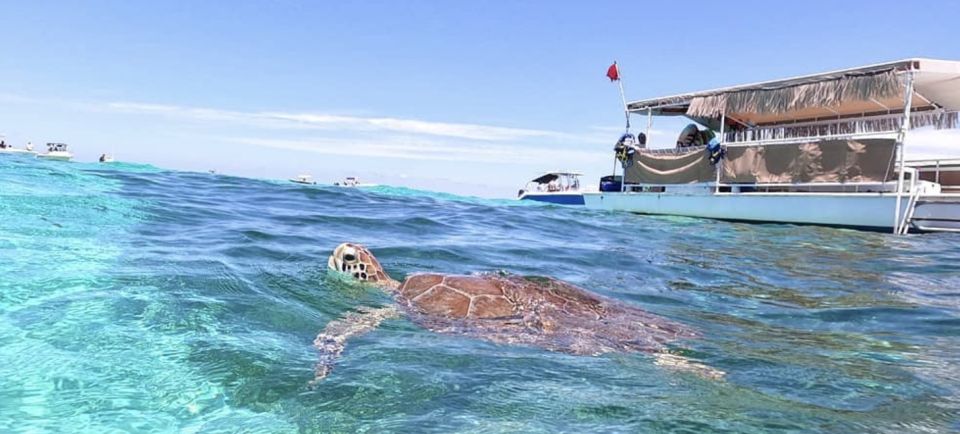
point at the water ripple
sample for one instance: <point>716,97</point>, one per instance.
<point>140,299</point>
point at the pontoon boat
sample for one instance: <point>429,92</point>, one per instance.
<point>825,149</point>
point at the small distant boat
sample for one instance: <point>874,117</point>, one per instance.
<point>9,149</point>
<point>352,181</point>
<point>106,158</point>
<point>561,187</point>
<point>12,150</point>
<point>303,179</point>
<point>56,151</point>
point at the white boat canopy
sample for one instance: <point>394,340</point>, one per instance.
<point>550,176</point>
<point>848,93</point>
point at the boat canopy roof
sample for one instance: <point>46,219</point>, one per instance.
<point>57,146</point>
<point>849,92</point>
<point>550,176</point>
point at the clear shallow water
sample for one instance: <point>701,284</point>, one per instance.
<point>138,299</point>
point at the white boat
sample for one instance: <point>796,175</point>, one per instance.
<point>823,149</point>
<point>303,179</point>
<point>352,181</point>
<point>56,151</point>
<point>559,187</point>
<point>9,149</point>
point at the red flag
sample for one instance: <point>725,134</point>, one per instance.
<point>613,73</point>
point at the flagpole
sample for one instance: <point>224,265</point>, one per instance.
<point>623,97</point>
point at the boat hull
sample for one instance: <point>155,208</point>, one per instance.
<point>556,198</point>
<point>938,213</point>
<point>56,156</point>
<point>17,151</point>
<point>858,210</point>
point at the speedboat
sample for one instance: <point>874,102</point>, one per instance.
<point>561,187</point>
<point>303,179</point>
<point>56,151</point>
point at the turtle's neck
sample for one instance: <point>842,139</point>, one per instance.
<point>389,285</point>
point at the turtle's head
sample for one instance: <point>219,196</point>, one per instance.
<point>357,261</point>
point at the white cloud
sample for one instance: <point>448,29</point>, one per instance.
<point>521,152</point>
<point>352,123</point>
<point>411,148</point>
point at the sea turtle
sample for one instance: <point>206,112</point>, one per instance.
<point>507,309</point>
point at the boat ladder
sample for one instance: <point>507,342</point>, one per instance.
<point>904,225</point>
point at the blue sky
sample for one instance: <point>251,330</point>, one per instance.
<point>469,97</point>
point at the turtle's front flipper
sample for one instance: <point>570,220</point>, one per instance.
<point>680,363</point>
<point>331,340</point>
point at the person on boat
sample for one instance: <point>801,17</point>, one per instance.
<point>625,148</point>
<point>3,144</point>
<point>29,146</point>
<point>103,158</point>
<point>689,136</point>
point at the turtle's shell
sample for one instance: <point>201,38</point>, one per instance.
<point>458,296</point>
<point>533,310</point>
<point>495,296</point>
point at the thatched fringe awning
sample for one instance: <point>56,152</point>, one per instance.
<point>937,119</point>
<point>827,93</point>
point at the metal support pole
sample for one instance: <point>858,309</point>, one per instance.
<point>623,180</point>
<point>649,123</point>
<point>723,122</point>
<point>901,138</point>
<point>623,96</point>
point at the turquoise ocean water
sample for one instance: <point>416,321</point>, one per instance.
<point>134,299</point>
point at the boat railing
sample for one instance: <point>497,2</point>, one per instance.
<point>725,188</point>
<point>840,127</point>
<point>672,151</point>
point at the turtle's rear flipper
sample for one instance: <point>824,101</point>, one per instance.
<point>683,364</point>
